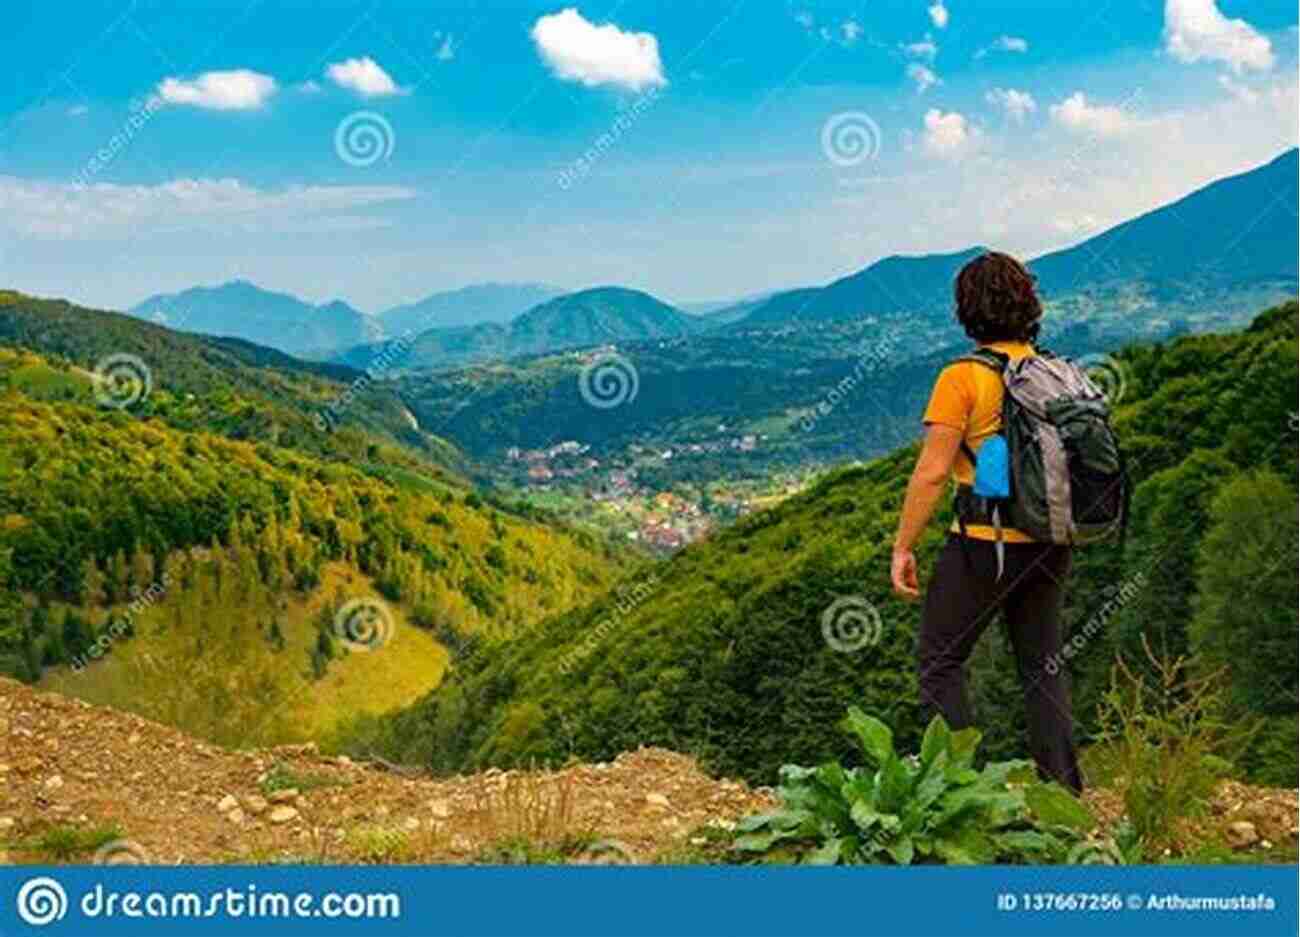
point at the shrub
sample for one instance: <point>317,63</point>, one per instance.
<point>934,807</point>
<point>1165,744</point>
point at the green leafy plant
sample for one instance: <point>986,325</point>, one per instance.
<point>934,807</point>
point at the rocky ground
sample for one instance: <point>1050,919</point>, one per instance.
<point>80,783</point>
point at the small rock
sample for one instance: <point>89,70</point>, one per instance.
<point>411,824</point>
<point>227,804</point>
<point>283,796</point>
<point>7,823</point>
<point>343,761</point>
<point>255,804</point>
<point>235,816</point>
<point>283,814</point>
<point>440,809</point>
<point>656,799</point>
<point>1241,834</point>
<point>53,783</point>
<point>133,738</point>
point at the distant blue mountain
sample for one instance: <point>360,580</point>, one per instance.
<point>1235,232</point>
<point>1233,238</point>
<point>893,286</point>
<point>240,309</point>
<point>469,306</point>
<point>607,314</point>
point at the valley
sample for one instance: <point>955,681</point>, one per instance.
<point>601,531</point>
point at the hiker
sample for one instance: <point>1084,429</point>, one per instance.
<point>988,563</point>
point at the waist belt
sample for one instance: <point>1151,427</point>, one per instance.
<point>970,508</point>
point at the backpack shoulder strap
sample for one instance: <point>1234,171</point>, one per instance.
<point>994,360</point>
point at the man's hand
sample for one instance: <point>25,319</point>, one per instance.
<point>903,573</point>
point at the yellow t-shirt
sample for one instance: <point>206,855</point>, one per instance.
<point>968,396</point>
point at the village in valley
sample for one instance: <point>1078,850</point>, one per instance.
<point>623,493</point>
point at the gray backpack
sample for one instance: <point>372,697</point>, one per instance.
<point>1058,473</point>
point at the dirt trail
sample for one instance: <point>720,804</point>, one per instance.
<point>83,783</point>
<point>66,764</point>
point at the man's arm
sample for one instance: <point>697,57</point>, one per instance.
<point>926,487</point>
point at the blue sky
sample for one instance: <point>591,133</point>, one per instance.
<point>697,150</point>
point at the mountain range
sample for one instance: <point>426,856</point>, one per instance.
<point>468,306</point>
<point>240,309</point>
<point>602,315</point>
<point>1230,244</point>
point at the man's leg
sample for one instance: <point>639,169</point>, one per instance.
<point>1033,612</point>
<point>959,603</point>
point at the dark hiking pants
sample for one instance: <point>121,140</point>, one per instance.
<point>964,595</point>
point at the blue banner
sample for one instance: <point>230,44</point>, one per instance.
<point>606,900</point>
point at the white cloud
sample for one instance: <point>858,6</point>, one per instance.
<point>948,136</point>
<point>578,50</point>
<point>1016,104</point>
<point>1078,115</point>
<point>1241,92</point>
<point>237,90</point>
<point>925,78</point>
<point>66,211</point>
<point>852,31</point>
<point>924,49</point>
<point>1196,30</point>
<point>1004,44</point>
<point>1075,224</point>
<point>307,87</point>
<point>939,14</point>
<point>365,77</point>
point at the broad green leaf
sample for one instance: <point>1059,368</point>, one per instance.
<point>877,739</point>
<point>968,846</point>
<point>758,842</point>
<point>1006,772</point>
<point>1055,806</point>
<point>828,854</point>
<point>961,747</point>
<point>751,823</point>
<point>893,786</point>
<point>901,851</point>
<point>864,816</point>
<point>932,782</point>
<point>1021,843</point>
<point>935,741</point>
<point>960,776</point>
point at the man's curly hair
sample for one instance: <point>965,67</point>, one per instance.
<point>996,300</point>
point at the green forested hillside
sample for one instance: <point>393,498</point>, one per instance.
<point>235,544</point>
<point>720,651</point>
<point>227,386</point>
